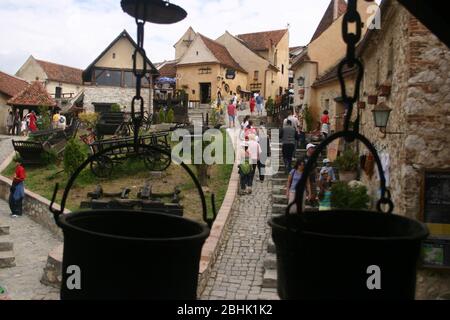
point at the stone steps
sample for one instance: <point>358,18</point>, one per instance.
<point>5,243</point>
<point>270,263</point>
<point>4,230</point>
<point>270,279</point>
<point>271,246</point>
<point>7,259</point>
<point>279,199</point>
<point>52,274</point>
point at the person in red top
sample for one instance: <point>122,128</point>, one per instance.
<point>32,122</point>
<point>17,192</point>
<point>232,114</point>
<point>252,105</point>
<point>325,124</point>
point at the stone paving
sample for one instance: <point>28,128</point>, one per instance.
<point>238,272</point>
<point>32,243</point>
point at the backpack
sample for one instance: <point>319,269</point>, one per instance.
<point>246,167</point>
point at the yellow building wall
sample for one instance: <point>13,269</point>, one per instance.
<point>281,78</point>
<point>66,88</point>
<point>123,50</point>
<point>247,59</point>
<point>181,46</point>
<point>3,112</point>
<point>329,47</point>
<point>31,71</point>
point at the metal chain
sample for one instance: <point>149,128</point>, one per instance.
<point>350,60</point>
<point>139,74</point>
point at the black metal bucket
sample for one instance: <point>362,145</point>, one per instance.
<point>346,254</point>
<point>130,254</point>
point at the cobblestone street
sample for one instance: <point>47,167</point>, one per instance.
<point>238,272</point>
<point>32,243</point>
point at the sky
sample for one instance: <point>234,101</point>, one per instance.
<point>75,32</point>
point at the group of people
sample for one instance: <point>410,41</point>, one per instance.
<point>256,101</point>
<point>318,189</point>
<point>29,123</point>
<point>255,151</point>
<point>17,126</point>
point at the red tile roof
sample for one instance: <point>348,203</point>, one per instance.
<point>10,85</point>
<point>168,70</point>
<point>58,72</point>
<point>33,95</point>
<point>261,41</point>
<point>328,17</point>
<point>221,53</point>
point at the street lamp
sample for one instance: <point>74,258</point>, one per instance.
<point>381,114</point>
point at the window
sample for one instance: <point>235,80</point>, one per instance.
<point>327,104</point>
<point>58,92</point>
<point>129,79</point>
<point>256,76</point>
<point>108,78</point>
<point>114,55</point>
<point>275,59</point>
<point>282,69</point>
<point>206,70</point>
<point>301,82</point>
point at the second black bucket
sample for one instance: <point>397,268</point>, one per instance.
<point>328,255</point>
<point>129,255</point>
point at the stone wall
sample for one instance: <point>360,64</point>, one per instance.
<point>121,96</point>
<point>420,99</point>
<point>34,206</point>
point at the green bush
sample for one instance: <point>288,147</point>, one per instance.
<point>89,119</point>
<point>162,116</point>
<point>73,156</point>
<point>347,161</point>
<point>345,197</point>
<point>115,108</point>
<point>45,121</point>
<point>270,106</point>
<point>50,156</point>
<point>308,119</point>
<point>170,116</point>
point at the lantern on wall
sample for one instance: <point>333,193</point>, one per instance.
<point>381,115</point>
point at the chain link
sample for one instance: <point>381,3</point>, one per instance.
<point>351,61</point>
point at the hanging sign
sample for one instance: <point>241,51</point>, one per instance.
<point>231,74</point>
<point>435,212</point>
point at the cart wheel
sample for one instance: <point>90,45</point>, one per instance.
<point>102,167</point>
<point>156,161</point>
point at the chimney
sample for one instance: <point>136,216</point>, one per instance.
<point>335,9</point>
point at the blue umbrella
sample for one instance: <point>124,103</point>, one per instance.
<point>166,80</point>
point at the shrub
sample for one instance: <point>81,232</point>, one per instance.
<point>170,115</point>
<point>308,119</point>
<point>115,108</point>
<point>49,156</point>
<point>89,119</point>
<point>270,106</point>
<point>347,161</point>
<point>73,156</point>
<point>344,196</point>
<point>45,121</point>
<point>162,116</point>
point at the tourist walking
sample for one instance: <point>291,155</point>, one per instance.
<point>325,192</point>
<point>16,128</point>
<point>250,129</point>
<point>17,191</point>
<point>55,120</point>
<point>252,105</point>
<point>232,114</point>
<point>329,170</point>
<point>311,186</point>
<point>294,178</point>
<point>259,104</point>
<point>245,173</point>
<point>254,151</point>
<point>325,124</point>
<point>264,143</point>
<point>10,123</point>
<point>288,142</point>
<point>32,119</point>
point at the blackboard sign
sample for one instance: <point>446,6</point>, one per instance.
<point>436,214</point>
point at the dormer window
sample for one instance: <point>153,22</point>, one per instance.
<point>301,82</point>
<point>114,56</point>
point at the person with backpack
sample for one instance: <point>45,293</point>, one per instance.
<point>245,173</point>
<point>259,104</point>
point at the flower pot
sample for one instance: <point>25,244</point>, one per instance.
<point>301,91</point>
<point>361,105</point>
<point>385,90</point>
<point>373,99</point>
<point>347,176</point>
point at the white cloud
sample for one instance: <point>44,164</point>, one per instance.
<point>74,32</point>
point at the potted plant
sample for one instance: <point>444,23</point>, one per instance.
<point>347,163</point>
<point>349,196</point>
<point>361,105</point>
<point>270,108</point>
<point>372,99</point>
<point>385,90</point>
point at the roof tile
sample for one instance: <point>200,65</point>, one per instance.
<point>10,85</point>
<point>33,95</point>
<point>61,73</point>
<point>261,41</point>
